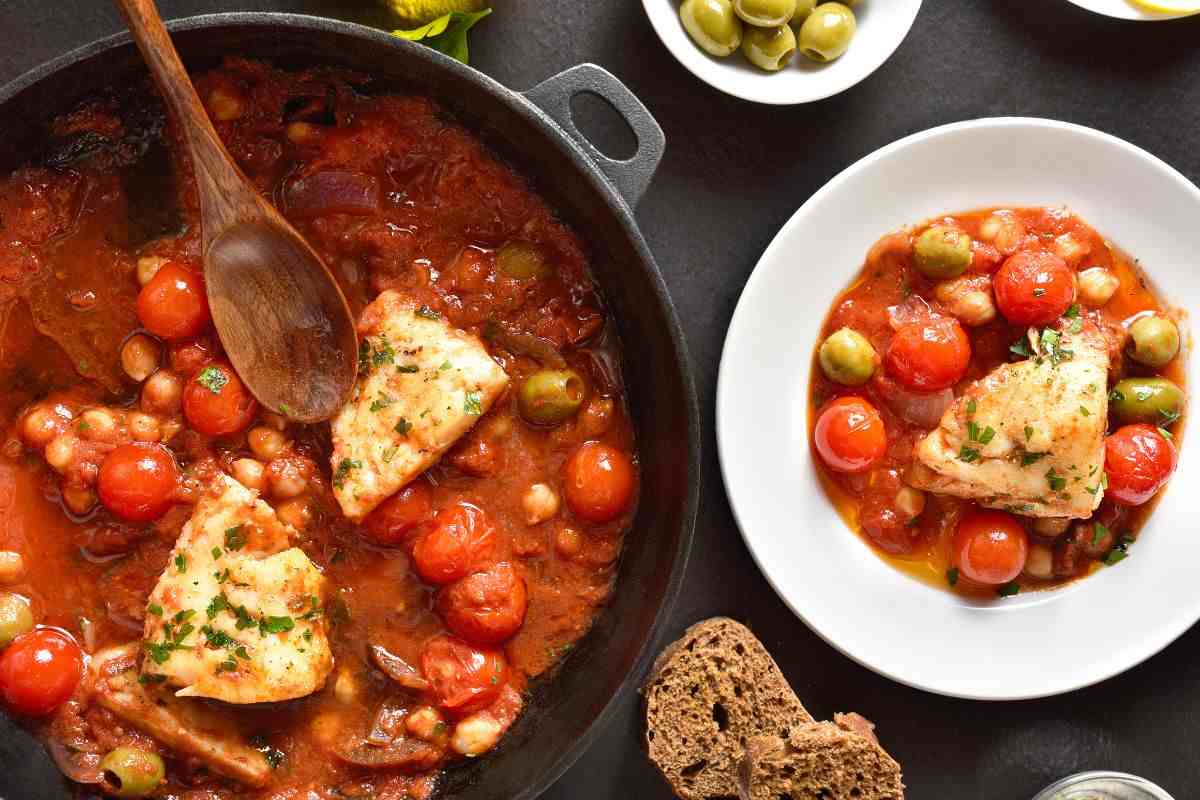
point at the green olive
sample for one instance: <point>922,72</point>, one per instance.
<point>847,358</point>
<point>551,396</point>
<point>15,617</point>
<point>769,48</point>
<point>942,252</point>
<point>827,32</point>
<point>1155,341</point>
<point>713,25</point>
<point>1154,400</point>
<point>803,9</point>
<point>765,13</point>
<point>132,772</point>
<point>522,260</point>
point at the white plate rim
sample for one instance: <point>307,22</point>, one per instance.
<point>1129,657</point>
<point>1120,9</point>
<point>709,75</point>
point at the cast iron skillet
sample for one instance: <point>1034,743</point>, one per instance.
<point>595,195</point>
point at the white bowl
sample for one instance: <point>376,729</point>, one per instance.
<point>1031,645</point>
<point>882,26</point>
<point>1123,9</point>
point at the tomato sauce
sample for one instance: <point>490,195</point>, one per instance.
<point>888,291</point>
<point>394,194</point>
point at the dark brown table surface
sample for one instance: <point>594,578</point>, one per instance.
<point>733,174</point>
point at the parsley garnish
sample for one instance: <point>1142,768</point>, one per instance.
<point>216,553</point>
<point>1056,481</point>
<point>1116,396</point>
<point>343,471</point>
<point>968,454</point>
<point>988,434</point>
<point>428,313</point>
<point>1099,531</point>
<point>213,379</point>
<point>1166,434</point>
<point>971,406</point>
<point>1169,417</point>
<point>1072,311</point>
<point>229,665</point>
<point>155,609</point>
<point>275,625</point>
<point>1083,410</point>
<point>389,453</point>
<point>235,538</point>
<point>181,563</point>
<point>1028,432</point>
<point>445,366</point>
<point>952,576</point>
<point>408,368</point>
<point>217,605</point>
<point>384,354</point>
<point>403,427</point>
<point>1009,589</point>
<point>381,402</point>
<point>217,639</point>
<point>472,404</point>
<point>145,678</point>
<point>1031,458</point>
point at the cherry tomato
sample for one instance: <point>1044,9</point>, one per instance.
<point>598,481</point>
<point>464,678</point>
<point>398,517</point>
<point>173,304</point>
<point>462,535</point>
<point>990,547</point>
<point>216,402</point>
<point>39,671</point>
<point>1034,287</point>
<point>850,435</point>
<point>486,607</point>
<point>1138,461</point>
<point>137,481</point>
<point>929,356</point>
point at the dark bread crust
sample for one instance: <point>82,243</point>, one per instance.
<point>708,695</point>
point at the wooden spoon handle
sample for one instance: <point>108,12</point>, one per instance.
<point>211,161</point>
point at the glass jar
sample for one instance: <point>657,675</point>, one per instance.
<point>1103,786</point>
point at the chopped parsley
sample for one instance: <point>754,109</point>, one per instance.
<point>228,665</point>
<point>384,354</point>
<point>217,605</point>
<point>389,453</point>
<point>1009,589</point>
<point>1028,432</point>
<point>275,625</point>
<point>146,678</point>
<point>217,639</point>
<point>381,402</point>
<point>408,369</point>
<point>181,563</point>
<point>472,404</point>
<point>1031,458</point>
<point>155,609</point>
<point>1166,434</point>
<point>988,434</point>
<point>971,406</point>
<point>1116,396</point>
<point>1168,417</point>
<point>952,576</point>
<point>1083,410</point>
<point>343,471</point>
<point>217,553</point>
<point>235,538</point>
<point>428,313</point>
<point>213,379</point>
<point>1053,349</point>
<point>403,427</point>
<point>968,454</point>
<point>1099,531</point>
<point>1056,481</point>
<point>1072,311</point>
<point>445,366</point>
<point>244,620</point>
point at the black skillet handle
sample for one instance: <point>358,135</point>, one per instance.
<point>631,177</point>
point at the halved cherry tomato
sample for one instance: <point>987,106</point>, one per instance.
<point>216,402</point>
<point>39,671</point>
<point>990,547</point>
<point>464,678</point>
<point>929,356</point>
<point>173,305</point>
<point>850,435</point>
<point>461,537</point>
<point>486,607</point>
<point>1138,460</point>
<point>1034,287</point>
<point>598,482</point>
<point>137,481</point>
<point>398,517</point>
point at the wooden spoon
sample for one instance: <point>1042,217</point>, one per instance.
<point>281,315</point>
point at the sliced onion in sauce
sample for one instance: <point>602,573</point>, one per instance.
<point>525,344</point>
<point>332,192</point>
<point>913,309</point>
<point>923,410</point>
<point>386,725</point>
<point>77,765</point>
<point>398,669</point>
<point>403,752</point>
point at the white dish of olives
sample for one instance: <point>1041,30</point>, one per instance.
<point>782,52</point>
<point>1033,644</point>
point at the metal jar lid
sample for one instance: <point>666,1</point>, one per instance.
<point>1103,786</point>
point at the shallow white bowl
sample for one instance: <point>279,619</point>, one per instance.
<point>882,26</point>
<point>1032,645</point>
<point>1123,9</point>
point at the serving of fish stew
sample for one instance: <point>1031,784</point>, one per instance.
<point>204,600</point>
<point>997,400</point>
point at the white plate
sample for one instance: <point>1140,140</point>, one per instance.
<point>882,26</point>
<point>1123,9</point>
<point>1032,645</point>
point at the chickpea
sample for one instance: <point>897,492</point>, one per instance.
<point>41,425</point>
<point>1050,527</point>
<point>78,501</point>
<point>302,132</point>
<point>1097,286</point>
<point>425,723</point>
<point>476,734</point>
<point>540,503</point>
<point>1040,562</point>
<point>266,443</point>
<point>61,452</point>
<point>162,393</point>
<point>98,425</point>
<point>1155,341</point>
<point>250,473</point>
<point>143,427</point>
<point>596,417</point>
<point>287,481</point>
<point>140,356</point>
<point>12,566</point>
<point>169,429</point>
<point>969,299</point>
<point>225,105</point>
<point>568,542</point>
<point>296,512</point>
<point>910,502</point>
<point>1004,230</point>
<point>148,267</point>
<point>345,688</point>
<point>1070,249</point>
<point>277,421</point>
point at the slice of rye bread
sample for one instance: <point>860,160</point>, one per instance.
<point>821,761</point>
<point>708,695</point>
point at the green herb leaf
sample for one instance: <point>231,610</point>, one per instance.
<point>381,402</point>
<point>1083,410</point>
<point>971,406</point>
<point>1169,417</point>
<point>276,625</point>
<point>1009,589</point>
<point>146,678</point>
<point>155,609</point>
<point>181,563</point>
<point>1032,458</point>
<point>1021,348</point>
<point>343,471</point>
<point>472,404</point>
<point>217,553</point>
<point>408,368</point>
<point>447,34</point>
<point>988,434</point>
<point>1115,556</point>
<point>952,576</point>
<point>1057,482</point>
<point>235,538</point>
<point>1072,311</point>
<point>403,427</point>
<point>1028,432</point>
<point>428,313</point>
<point>213,379</point>
<point>389,453</point>
<point>968,454</point>
<point>1099,531</point>
<point>1166,434</point>
<point>217,605</point>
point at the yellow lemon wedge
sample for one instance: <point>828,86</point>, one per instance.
<point>1168,6</point>
<point>418,12</point>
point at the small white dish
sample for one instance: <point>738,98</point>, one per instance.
<point>882,26</point>
<point>1123,9</point>
<point>1031,645</point>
